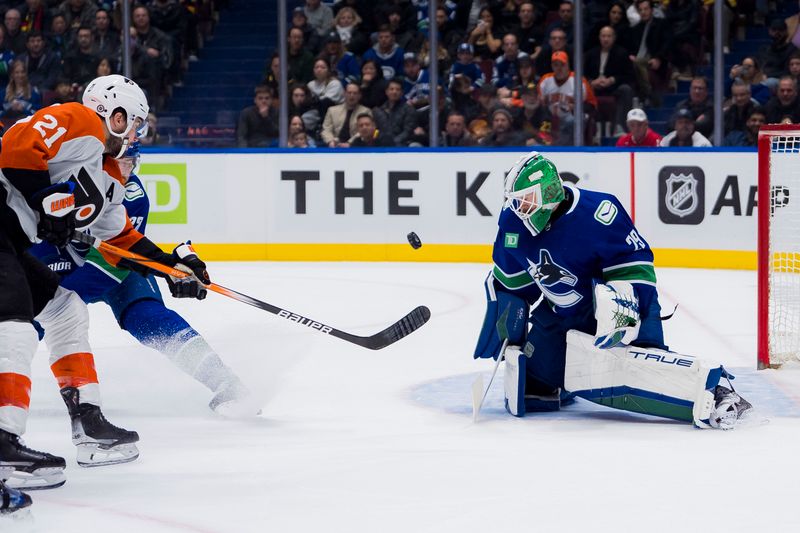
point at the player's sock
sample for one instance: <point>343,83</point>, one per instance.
<point>31,469</point>
<point>98,441</point>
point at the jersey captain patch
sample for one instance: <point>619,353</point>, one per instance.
<point>548,274</point>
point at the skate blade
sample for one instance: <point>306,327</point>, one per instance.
<point>39,479</point>
<point>91,455</point>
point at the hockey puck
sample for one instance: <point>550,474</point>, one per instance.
<point>413,240</point>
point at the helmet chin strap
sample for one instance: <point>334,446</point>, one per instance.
<point>122,149</point>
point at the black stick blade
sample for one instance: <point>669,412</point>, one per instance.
<point>403,327</point>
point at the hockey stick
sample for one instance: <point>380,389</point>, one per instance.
<point>477,385</point>
<point>406,325</point>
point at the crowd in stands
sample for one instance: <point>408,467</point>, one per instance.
<point>50,49</point>
<point>359,73</point>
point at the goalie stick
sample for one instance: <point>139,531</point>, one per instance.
<point>403,327</point>
<point>477,385</point>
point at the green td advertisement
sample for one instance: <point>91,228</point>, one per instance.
<point>165,184</point>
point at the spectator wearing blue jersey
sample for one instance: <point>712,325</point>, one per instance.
<point>465,66</point>
<point>386,53</point>
<point>417,83</point>
<point>343,64</point>
<point>506,67</point>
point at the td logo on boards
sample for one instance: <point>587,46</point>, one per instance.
<point>681,195</point>
<point>165,184</point>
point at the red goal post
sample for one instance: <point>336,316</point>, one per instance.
<point>778,244</point>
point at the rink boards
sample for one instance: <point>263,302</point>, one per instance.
<point>695,208</point>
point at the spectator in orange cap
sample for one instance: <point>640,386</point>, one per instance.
<point>556,90</point>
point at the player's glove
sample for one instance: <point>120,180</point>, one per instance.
<point>56,208</point>
<point>186,260</point>
<point>616,309</point>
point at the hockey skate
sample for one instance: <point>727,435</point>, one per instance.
<point>29,469</point>
<point>730,409</point>
<point>98,441</point>
<point>11,500</point>
<point>233,400</point>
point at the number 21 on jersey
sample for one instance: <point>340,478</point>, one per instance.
<point>48,127</point>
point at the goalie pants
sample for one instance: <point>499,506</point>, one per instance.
<point>546,343</point>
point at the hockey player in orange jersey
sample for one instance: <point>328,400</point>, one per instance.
<point>52,182</point>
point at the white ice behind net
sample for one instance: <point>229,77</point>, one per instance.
<point>784,247</point>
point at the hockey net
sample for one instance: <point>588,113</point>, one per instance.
<point>778,245</point>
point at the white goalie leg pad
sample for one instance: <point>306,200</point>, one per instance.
<point>18,341</point>
<point>514,380</point>
<point>644,380</point>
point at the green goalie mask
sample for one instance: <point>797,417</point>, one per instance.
<point>533,191</point>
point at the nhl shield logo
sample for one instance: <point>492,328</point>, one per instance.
<point>681,194</point>
<point>681,197</point>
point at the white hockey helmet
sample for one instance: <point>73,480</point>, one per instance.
<point>107,93</point>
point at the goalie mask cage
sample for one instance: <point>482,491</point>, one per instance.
<point>778,244</point>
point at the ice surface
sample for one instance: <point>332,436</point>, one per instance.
<point>352,440</point>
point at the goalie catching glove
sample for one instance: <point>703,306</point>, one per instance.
<point>616,309</point>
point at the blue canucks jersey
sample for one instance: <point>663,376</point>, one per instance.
<point>593,241</point>
<point>138,207</point>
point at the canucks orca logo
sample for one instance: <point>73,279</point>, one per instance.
<point>547,273</point>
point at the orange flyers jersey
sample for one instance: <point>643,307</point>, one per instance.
<point>554,93</point>
<point>65,142</point>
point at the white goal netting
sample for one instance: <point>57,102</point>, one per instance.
<point>784,249</point>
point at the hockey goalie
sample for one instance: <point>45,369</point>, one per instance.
<point>595,328</point>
